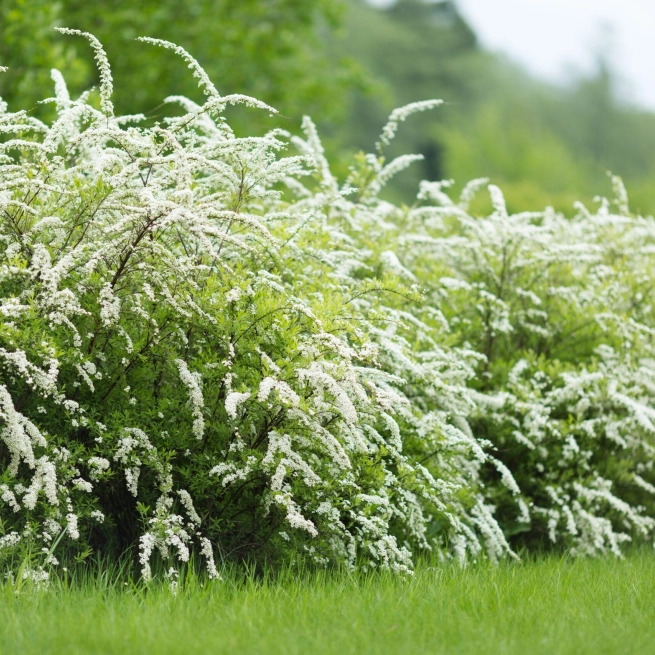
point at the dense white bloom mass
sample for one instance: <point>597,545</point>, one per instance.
<point>192,383</point>
<point>210,346</point>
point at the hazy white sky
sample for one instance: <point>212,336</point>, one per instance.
<point>550,36</point>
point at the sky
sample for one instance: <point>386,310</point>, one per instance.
<point>554,38</point>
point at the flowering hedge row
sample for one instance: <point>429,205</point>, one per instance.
<point>210,345</point>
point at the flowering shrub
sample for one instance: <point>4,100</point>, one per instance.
<point>208,346</point>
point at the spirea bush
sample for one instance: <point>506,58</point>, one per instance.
<point>209,346</point>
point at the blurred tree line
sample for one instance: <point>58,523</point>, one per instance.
<point>542,144</point>
<point>348,64</point>
<point>275,50</point>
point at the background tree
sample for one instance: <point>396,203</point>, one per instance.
<point>275,51</point>
<point>348,64</point>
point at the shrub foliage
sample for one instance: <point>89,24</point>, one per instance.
<point>211,346</point>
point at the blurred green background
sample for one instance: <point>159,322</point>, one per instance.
<point>348,64</point>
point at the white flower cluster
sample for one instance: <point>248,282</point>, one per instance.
<point>266,380</point>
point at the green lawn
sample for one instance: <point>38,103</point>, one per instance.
<point>547,606</point>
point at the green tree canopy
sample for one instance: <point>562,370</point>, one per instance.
<point>272,50</point>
